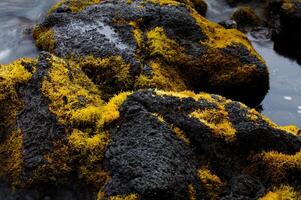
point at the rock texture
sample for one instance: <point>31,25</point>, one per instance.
<point>147,144</point>
<point>165,44</point>
<point>108,112</point>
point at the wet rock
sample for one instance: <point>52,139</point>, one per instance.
<point>285,19</point>
<point>147,144</point>
<point>183,49</point>
<point>228,24</point>
<point>245,18</point>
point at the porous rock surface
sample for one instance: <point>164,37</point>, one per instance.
<point>147,144</point>
<point>167,45</point>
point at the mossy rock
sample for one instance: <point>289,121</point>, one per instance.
<point>63,141</point>
<point>165,44</point>
<point>246,17</point>
<point>285,21</point>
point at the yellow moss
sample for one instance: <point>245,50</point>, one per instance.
<point>74,99</point>
<point>110,111</point>
<point>165,2</point>
<point>11,158</point>
<point>159,117</point>
<point>178,132</point>
<point>163,77</point>
<point>75,5</point>
<point>284,192</point>
<point>254,116</point>
<point>44,38</point>
<point>211,183</point>
<point>219,37</point>
<point>191,192</point>
<point>160,45</point>
<point>90,150</point>
<point>186,94</point>
<point>137,32</point>
<point>181,135</point>
<point>218,120</point>
<point>279,165</point>
<point>56,167</point>
<point>125,197</point>
<point>11,76</point>
<point>238,75</point>
<point>110,74</point>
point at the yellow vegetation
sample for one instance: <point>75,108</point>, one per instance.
<point>191,192</point>
<point>110,111</point>
<point>218,120</point>
<point>160,45</point>
<point>90,152</point>
<point>163,77</point>
<point>181,135</point>
<point>186,94</point>
<point>255,116</point>
<point>211,183</point>
<point>279,165</point>
<point>284,192</point>
<point>45,38</point>
<point>125,197</point>
<point>11,76</point>
<point>110,74</point>
<point>11,157</point>
<point>74,99</point>
<point>219,37</point>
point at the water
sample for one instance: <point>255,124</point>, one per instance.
<point>16,18</point>
<point>282,104</point>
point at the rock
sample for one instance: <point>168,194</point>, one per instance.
<point>183,50</point>
<point>285,18</point>
<point>146,144</point>
<point>228,24</point>
<point>245,17</point>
